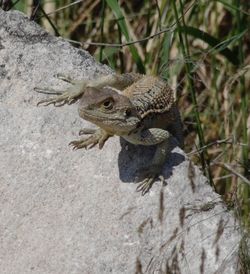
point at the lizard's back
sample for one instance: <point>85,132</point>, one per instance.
<point>155,103</point>
<point>153,99</point>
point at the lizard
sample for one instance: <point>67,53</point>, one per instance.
<point>139,108</point>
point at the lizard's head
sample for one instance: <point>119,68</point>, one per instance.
<point>109,110</point>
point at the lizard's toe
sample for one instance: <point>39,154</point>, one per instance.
<point>150,175</point>
<point>65,78</point>
<point>84,143</point>
<point>145,185</point>
<point>96,136</point>
<point>87,131</point>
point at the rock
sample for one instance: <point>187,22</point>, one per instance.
<point>65,211</point>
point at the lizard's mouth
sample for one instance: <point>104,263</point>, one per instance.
<point>110,122</point>
<point>94,117</point>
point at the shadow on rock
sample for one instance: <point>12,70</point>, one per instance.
<point>133,157</point>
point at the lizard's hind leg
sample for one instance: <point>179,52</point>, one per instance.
<point>154,171</point>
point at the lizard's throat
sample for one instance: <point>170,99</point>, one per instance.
<point>96,118</point>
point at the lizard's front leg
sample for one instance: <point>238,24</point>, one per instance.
<point>152,136</point>
<point>68,96</point>
<point>97,136</point>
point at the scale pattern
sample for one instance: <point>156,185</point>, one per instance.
<point>150,94</point>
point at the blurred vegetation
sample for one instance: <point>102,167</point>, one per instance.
<point>201,47</point>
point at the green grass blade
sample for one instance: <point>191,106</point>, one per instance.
<point>221,47</point>
<point>232,8</point>
<point>113,4</point>
<point>165,54</point>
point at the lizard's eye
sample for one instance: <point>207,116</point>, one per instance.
<point>128,113</point>
<point>108,104</point>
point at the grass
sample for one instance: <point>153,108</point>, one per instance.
<point>202,48</point>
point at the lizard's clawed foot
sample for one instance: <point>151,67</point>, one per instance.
<point>150,175</point>
<point>68,96</point>
<point>97,136</point>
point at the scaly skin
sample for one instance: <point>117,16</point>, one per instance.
<point>140,109</point>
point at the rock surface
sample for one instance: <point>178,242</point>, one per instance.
<point>64,211</point>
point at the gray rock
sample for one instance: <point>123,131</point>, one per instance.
<point>64,211</point>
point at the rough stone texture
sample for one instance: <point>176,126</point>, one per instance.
<point>78,212</point>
